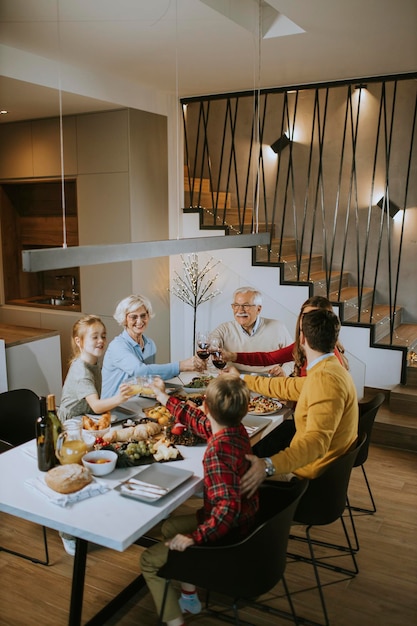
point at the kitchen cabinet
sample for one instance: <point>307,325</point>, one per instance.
<point>33,359</point>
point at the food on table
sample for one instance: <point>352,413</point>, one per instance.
<point>140,432</point>
<point>198,382</point>
<point>195,398</point>
<point>261,405</point>
<point>93,424</point>
<point>159,413</point>
<point>68,478</point>
<point>166,453</point>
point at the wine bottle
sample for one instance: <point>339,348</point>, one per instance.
<point>56,422</point>
<point>45,439</point>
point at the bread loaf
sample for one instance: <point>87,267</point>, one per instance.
<point>68,478</point>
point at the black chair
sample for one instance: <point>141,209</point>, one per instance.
<point>324,503</point>
<point>19,410</point>
<point>367,414</point>
<point>249,568</point>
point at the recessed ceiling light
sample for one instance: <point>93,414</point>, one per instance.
<point>3,112</point>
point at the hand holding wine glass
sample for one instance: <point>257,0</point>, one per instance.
<point>203,343</point>
<point>216,354</point>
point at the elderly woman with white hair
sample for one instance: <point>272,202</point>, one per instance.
<point>132,353</point>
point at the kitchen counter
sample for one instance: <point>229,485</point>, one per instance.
<point>33,359</point>
<point>17,335</point>
<point>33,302</point>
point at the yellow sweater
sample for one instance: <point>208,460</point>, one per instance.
<point>326,416</point>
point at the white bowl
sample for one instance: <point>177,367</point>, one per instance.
<point>96,433</point>
<point>100,462</point>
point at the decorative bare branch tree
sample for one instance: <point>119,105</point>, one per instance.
<point>194,287</point>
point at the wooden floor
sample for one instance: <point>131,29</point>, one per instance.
<point>383,594</point>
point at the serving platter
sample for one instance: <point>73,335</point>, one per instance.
<point>153,483</point>
<point>260,405</point>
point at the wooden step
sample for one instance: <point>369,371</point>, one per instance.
<point>403,399</point>
<point>306,263</point>
<point>349,298</point>
<point>197,184</point>
<point>287,250</point>
<point>320,285</point>
<point>380,317</point>
<point>405,335</point>
<point>392,428</point>
<point>219,199</point>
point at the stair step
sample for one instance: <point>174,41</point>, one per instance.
<point>306,263</point>
<point>287,250</point>
<point>320,285</point>
<point>349,298</point>
<point>381,319</point>
<point>197,184</point>
<point>405,335</point>
<point>208,199</point>
<point>403,399</point>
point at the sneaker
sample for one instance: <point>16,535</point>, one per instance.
<point>190,603</point>
<point>69,543</point>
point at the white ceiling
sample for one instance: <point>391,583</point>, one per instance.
<point>186,47</point>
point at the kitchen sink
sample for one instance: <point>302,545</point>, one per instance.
<point>56,301</point>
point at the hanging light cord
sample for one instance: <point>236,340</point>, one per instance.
<point>61,136</point>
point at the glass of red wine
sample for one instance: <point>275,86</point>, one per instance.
<point>203,343</point>
<point>216,354</point>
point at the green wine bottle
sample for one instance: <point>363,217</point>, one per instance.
<point>45,439</point>
<point>56,422</point>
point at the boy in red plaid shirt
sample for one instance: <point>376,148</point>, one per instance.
<point>225,512</point>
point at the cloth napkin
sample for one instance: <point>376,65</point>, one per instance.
<point>66,499</point>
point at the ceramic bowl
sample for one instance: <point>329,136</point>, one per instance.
<point>95,433</point>
<point>100,462</point>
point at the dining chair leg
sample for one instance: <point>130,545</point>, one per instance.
<point>361,509</point>
<point>317,576</point>
<point>355,545</point>
<point>335,546</point>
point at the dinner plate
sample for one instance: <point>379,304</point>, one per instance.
<point>277,407</point>
<point>254,424</point>
<point>120,414</point>
<point>160,480</point>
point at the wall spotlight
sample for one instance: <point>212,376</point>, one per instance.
<point>392,207</point>
<point>281,143</point>
<point>361,86</point>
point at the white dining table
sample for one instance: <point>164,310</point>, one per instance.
<point>109,519</point>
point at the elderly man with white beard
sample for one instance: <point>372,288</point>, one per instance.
<point>249,332</point>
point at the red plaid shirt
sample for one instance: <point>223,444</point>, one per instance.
<point>225,510</point>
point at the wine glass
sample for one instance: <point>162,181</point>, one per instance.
<point>203,343</point>
<point>216,353</point>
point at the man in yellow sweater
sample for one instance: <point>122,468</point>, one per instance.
<point>326,415</point>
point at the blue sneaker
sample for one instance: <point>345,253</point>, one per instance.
<point>190,603</point>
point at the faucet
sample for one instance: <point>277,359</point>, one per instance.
<point>74,292</point>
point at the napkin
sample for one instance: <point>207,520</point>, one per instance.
<point>66,499</point>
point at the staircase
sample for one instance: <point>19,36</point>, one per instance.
<point>216,211</point>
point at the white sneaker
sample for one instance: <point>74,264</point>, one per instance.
<point>69,543</point>
<point>190,603</point>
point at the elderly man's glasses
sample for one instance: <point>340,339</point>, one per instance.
<point>132,317</point>
<point>245,307</point>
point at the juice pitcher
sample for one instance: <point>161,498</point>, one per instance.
<point>70,445</point>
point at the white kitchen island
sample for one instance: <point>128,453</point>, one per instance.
<point>33,360</point>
